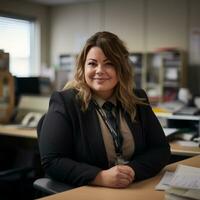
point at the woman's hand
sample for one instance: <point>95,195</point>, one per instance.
<point>119,176</point>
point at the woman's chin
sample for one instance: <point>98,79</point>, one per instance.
<point>103,93</point>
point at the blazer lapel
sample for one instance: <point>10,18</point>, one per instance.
<point>94,136</point>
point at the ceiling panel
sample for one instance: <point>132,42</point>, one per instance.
<point>58,2</point>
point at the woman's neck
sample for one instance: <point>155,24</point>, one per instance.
<point>104,95</point>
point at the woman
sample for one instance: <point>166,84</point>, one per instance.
<point>80,142</point>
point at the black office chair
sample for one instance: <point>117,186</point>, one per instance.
<point>17,169</point>
<point>47,186</point>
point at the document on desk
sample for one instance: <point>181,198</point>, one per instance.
<point>182,194</point>
<point>186,177</point>
<point>187,143</point>
<point>165,181</point>
<point>170,131</point>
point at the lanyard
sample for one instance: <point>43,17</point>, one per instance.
<point>115,134</point>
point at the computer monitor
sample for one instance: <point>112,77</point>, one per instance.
<point>27,85</point>
<point>34,86</point>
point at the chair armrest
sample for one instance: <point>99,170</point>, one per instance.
<point>49,186</point>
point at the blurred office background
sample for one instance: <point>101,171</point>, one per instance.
<point>40,40</point>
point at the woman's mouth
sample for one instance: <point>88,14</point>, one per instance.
<point>101,79</point>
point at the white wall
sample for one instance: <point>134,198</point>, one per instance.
<point>71,25</point>
<point>167,24</point>
<point>126,19</point>
<point>144,25</point>
<point>194,25</point>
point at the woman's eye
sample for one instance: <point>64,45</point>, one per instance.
<point>109,64</point>
<point>91,64</point>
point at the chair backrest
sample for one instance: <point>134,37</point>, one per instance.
<point>39,126</point>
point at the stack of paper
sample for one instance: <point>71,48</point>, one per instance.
<point>182,194</point>
<point>184,184</point>
<point>170,131</point>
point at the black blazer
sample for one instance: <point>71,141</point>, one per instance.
<point>71,143</point>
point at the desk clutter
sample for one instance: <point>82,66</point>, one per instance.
<point>183,137</point>
<point>23,94</point>
<point>176,108</point>
<point>180,123</point>
<point>183,184</point>
<point>29,110</point>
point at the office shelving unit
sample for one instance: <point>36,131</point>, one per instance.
<point>65,71</point>
<point>137,62</point>
<point>165,73</point>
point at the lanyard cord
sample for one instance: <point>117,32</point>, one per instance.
<point>114,133</point>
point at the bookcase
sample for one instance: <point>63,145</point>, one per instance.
<point>160,73</point>
<point>137,60</point>
<point>165,74</point>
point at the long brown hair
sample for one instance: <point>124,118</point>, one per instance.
<point>115,50</point>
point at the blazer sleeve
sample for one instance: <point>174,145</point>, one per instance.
<point>155,153</point>
<point>56,146</point>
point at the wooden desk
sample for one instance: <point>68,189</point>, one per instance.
<point>138,191</point>
<point>31,133</point>
<point>180,150</point>
<point>18,132</point>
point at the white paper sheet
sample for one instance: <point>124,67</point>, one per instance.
<point>186,177</point>
<point>164,182</point>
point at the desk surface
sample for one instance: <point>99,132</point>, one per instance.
<point>138,191</point>
<point>31,133</point>
<point>178,149</point>
<point>17,132</point>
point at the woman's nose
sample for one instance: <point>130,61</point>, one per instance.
<point>99,69</point>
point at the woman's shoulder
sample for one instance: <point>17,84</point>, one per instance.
<point>142,97</point>
<point>68,95</point>
<point>140,93</point>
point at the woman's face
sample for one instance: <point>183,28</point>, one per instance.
<point>100,74</point>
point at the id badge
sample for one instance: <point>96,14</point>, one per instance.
<point>120,161</point>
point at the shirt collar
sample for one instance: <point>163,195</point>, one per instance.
<point>101,101</point>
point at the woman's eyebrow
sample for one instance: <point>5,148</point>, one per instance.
<point>105,60</point>
<point>91,59</point>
